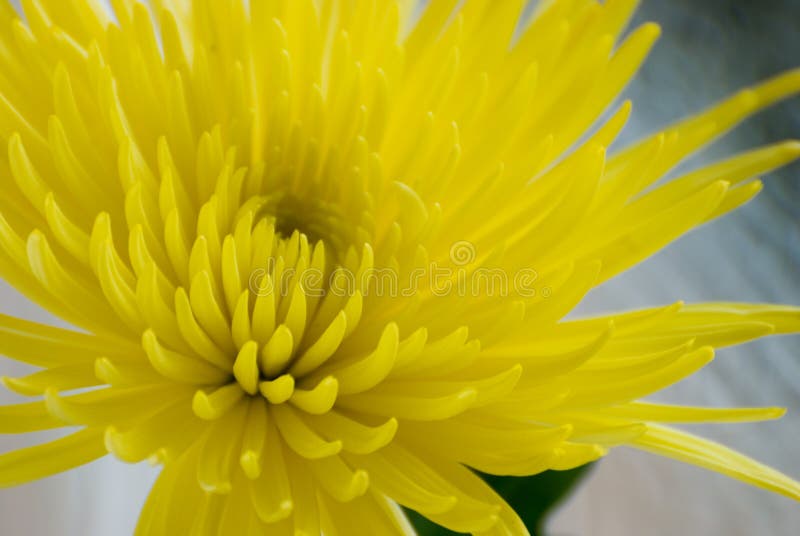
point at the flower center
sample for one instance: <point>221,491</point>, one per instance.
<point>299,304</point>
<point>318,215</point>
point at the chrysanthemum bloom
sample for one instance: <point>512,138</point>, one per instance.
<point>266,221</point>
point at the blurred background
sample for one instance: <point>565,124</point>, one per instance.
<point>709,49</point>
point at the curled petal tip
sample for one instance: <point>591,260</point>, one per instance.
<point>281,512</point>
<point>111,440</point>
<point>211,406</point>
<point>251,464</point>
<point>202,407</point>
<point>278,390</point>
<point>318,400</point>
<point>360,483</point>
<point>159,457</point>
<point>219,488</point>
<point>467,395</point>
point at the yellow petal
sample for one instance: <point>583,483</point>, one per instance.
<point>32,463</point>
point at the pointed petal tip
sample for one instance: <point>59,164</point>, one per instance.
<point>5,381</point>
<point>21,387</point>
<point>774,413</point>
<point>790,148</point>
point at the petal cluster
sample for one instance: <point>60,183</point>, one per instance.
<point>318,255</point>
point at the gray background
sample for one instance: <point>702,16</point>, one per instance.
<point>709,49</point>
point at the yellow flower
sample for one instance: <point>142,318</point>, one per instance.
<point>318,254</point>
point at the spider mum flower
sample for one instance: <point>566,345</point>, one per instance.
<point>282,230</point>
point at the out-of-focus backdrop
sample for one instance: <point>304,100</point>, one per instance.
<point>709,49</point>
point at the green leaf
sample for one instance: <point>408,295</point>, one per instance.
<point>532,497</point>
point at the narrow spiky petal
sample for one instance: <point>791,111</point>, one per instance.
<point>318,255</point>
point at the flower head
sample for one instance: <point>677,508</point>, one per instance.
<point>318,254</point>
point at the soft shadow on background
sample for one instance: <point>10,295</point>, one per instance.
<point>709,49</point>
